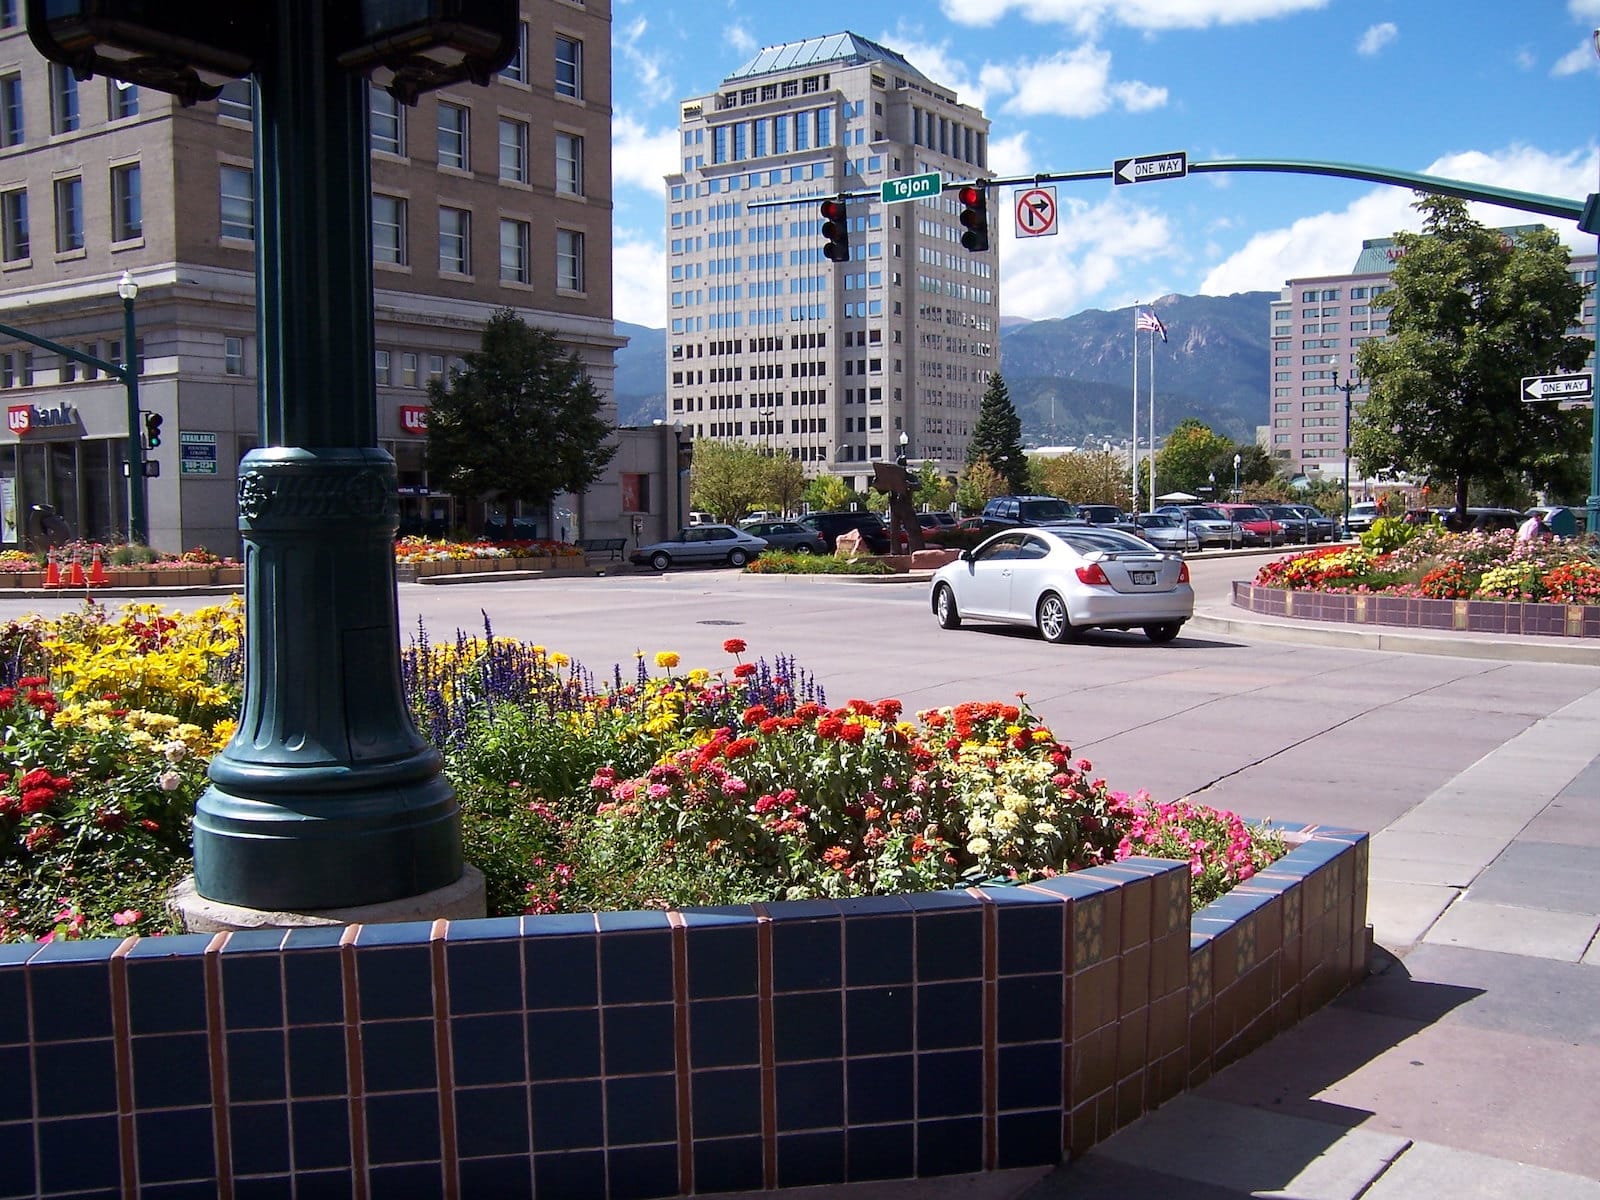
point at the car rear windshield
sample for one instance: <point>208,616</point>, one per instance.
<point>1206,514</point>
<point>1249,514</point>
<point>1158,521</point>
<point>1087,541</point>
<point>1044,512</point>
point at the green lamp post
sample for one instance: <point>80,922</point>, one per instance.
<point>327,797</point>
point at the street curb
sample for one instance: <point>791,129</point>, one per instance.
<point>1541,650</point>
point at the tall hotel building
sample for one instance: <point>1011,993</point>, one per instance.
<point>482,197</point>
<point>1316,326</point>
<point>771,344</point>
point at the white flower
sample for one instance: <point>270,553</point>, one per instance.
<point>170,781</point>
<point>978,846</point>
<point>174,752</point>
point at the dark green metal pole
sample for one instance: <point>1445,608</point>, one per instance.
<point>327,797</point>
<point>138,490</point>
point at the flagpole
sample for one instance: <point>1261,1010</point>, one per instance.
<point>1133,450</point>
<point>1152,418</point>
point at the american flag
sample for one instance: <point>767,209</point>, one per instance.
<point>1147,321</point>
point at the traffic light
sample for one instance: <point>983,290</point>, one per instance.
<point>836,228</point>
<point>152,430</point>
<point>975,217</point>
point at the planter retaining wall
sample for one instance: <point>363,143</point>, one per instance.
<point>1470,616</point>
<point>658,1054</point>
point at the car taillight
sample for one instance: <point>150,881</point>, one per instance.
<point>1092,574</point>
<point>1183,572</point>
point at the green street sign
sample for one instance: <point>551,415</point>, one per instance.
<point>911,187</point>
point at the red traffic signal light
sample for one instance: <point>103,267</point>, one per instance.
<point>836,231</point>
<point>974,217</point>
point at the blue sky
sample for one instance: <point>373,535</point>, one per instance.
<point>1495,91</point>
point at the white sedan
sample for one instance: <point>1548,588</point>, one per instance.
<point>1064,580</point>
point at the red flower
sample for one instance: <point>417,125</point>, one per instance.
<point>889,710</point>
<point>42,836</point>
<point>852,733</point>
<point>744,670</point>
<point>150,826</point>
<point>37,800</point>
<point>734,646</point>
<point>739,747</point>
<point>755,714</point>
<point>829,727</point>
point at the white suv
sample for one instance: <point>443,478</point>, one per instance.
<point>1361,517</point>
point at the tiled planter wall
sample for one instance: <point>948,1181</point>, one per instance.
<point>1472,616</point>
<point>656,1054</point>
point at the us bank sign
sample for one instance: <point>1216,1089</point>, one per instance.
<point>23,419</point>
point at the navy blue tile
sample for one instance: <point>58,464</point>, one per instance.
<point>808,1025</point>
<point>562,972</point>
<point>13,1005</point>
<point>309,937</point>
<point>880,1090</point>
<point>92,950</point>
<point>801,910</point>
<point>75,1156</point>
<point>1028,1140</point>
<point>252,941</point>
<point>878,949</point>
<point>321,1131</point>
<point>949,1147</point>
<point>810,1096</point>
<point>491,1121</point>
<point>252,991</point>
<point>639,1040</point>
<point>487,1050</point>
<point>878,1020</point>
<point>726,1103</point>
<point>949,1015</point>
<point>1077,885</point>
<point>810,1159</point>
<point>722,961</point>
<point>1031,937</point>
<point>198,1189</point>
<point>396,933</point>
<point>395,983</point>
<point>317,1062</point>
<point>176,1144</point>
<point>75,1078</point>
<point>559,925</point>
<point>16,1152</point>
<point>403,1128</point>
<point>71,1001</point>
<point>564,1044</point>
<point>632,922</point>
<point>507,929</point>
<point>641,1108</point>
<point>881,1153</point>
<point>269,1188</point>
<point>567,1116</point>
<point>16,1097</point>
<point>171,1071</point>
<point>950,945</point>
<point>323,1185</point>
<point>500,1178</point>
<point>1030,1008</point>
<point>256,1066</point>
<point>166,995</point>
<point>636,968</point>
<point>728,1165</point>
<point>398,1056</point>
<point>260,1137</point>
<point>724,1033</point>
<point>314,985</point>
<point>950,1084</point>
<point>1030,1076</point>
<point>871,906</point>
<point>407,1182</point>
<point>807,954</point>
<point>644,1172</point>
<point>484,976</point>
<point>14,954</point>
<point>570,1174</point>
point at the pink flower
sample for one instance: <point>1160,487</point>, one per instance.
<point>127,916</point>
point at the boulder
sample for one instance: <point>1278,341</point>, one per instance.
<point>850,544</point>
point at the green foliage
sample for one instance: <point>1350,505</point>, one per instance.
<point>778,562</point>
<point>728,479</point>
<point>979,484</point>
<point>1388,533</point>
<point>522,422</point>
<point>1189,455</point>
<point>1083,477</point>
<point>997,437</point>
<point>935,491</point>
<point>829,493</point>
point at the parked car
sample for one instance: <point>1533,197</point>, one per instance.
<point>831,524</point>
<point>1323,527</point>
<point>1361,516</point>
<point>933,524</point>
<point>1106,515</point>
<point>1475,520</point>
<point>1563,521</point>
<point>1258,528</point>
<point>1165,531</point>
<point>1009,512</point>
<point>786,535</point>
<point>1066,579</point>
<point>1212,527</point>
<point>760,514</point>
<point>701,544</point>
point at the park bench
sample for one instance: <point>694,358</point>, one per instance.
<point>611,547</point>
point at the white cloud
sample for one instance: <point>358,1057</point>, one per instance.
<point>1098,246</point>
<point>1327,243</point>
<point>1376,38</point>
<point>1011,155</point>
<point>935,61</point>
<point>640,157</point>
<point>1074,83</point>
<point>651,84</point>
<point>1577,61</point>
<point>638,280</point>
<point>1086,16</point>
<point>1584,10</point>
<point>741,39</point>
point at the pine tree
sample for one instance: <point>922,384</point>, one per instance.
<point>998,436</point>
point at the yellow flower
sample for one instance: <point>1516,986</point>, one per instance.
<point>1006,820</point>
<point>979,846</point>
<point>666,659</point>
<point>977,824</point>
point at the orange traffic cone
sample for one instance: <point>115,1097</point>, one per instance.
<point>97,570</point>
<point>75,577</point>
<point>52,570</point>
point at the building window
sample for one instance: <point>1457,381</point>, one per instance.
<point>234,102</point>
<point>14,219</point>
<point>513,150</point>
<point>569,67</point>
<point>435,367</point>
<point>69,214</point>
<point>11,110</point>
<point>380,367</point>
<point>453,140</point>
<point>408,370</point>
<point>517,69</point>
<point>635,493</point>
<point>233,356</point>
<point>388,123</point>
<point>63,99</point>
<point>122,99</point>
<point>8,14</point>
<point>455,235</point>
<point>238,203</point>
<point>388,229</point>
<point>513,251</point>
<point>569,163</point>
<point>127,205</point>
<point>569,260</point>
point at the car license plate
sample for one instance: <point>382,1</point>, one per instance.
<point>1143,576</point>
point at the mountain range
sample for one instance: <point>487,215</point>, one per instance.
<point>1071,378</point>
